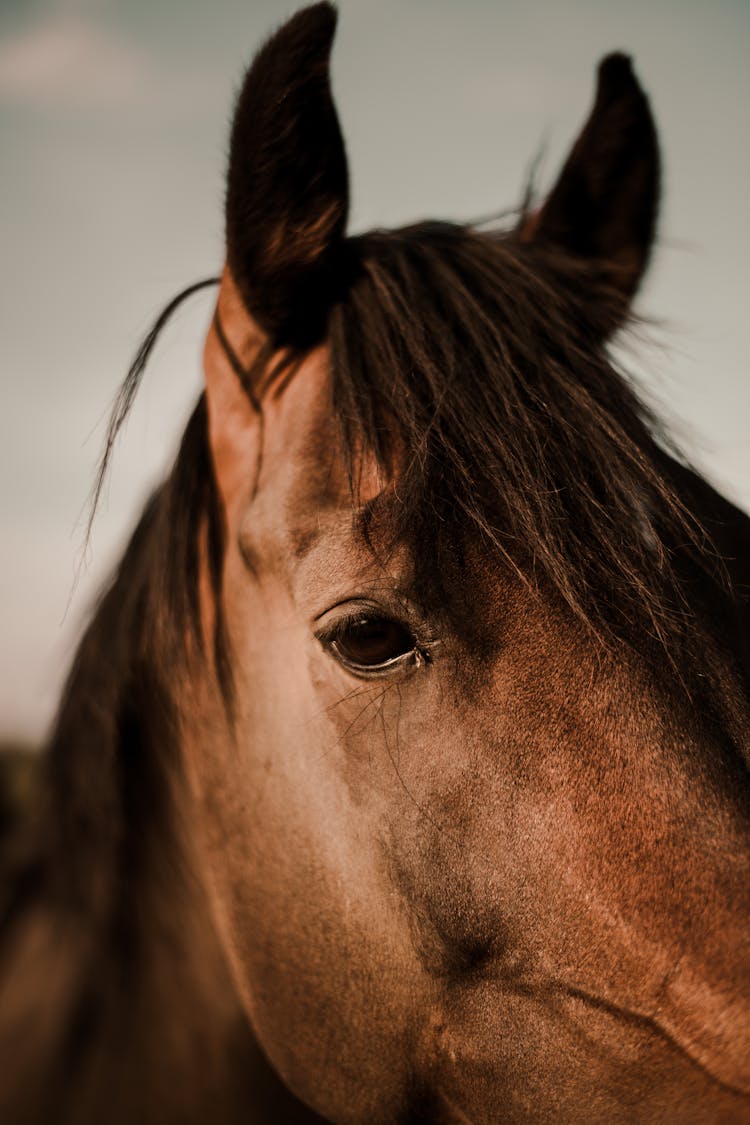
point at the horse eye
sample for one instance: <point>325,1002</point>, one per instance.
<point>372,643</point>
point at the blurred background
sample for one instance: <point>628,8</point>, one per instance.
<point>113,125</point>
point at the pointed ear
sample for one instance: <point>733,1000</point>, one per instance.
<point>287,187</point>
<point>604,205</point>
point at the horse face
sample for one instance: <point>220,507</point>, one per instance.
<point>416,850</point>
<point>414,847</point>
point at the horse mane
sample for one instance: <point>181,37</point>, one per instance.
<point>480,365</point>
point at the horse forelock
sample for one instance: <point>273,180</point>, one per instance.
<point>480,367</point>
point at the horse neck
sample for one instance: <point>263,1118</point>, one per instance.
<point>116,1001</point>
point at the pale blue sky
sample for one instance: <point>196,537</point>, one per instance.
<point>113,121</point>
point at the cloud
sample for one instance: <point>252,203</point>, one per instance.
<point>70,61</point>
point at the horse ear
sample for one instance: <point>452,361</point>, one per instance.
<point>287,187</point>
<point>604,205</point>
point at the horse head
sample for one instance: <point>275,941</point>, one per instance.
<point>458,807</point>
<point>408,748</point>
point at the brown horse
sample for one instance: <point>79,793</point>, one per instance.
<point>404,764</point>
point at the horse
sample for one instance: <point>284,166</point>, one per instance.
<point>402,771</point>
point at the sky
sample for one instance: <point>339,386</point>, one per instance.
<point>113,130</point>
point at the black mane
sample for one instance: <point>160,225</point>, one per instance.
<point>485,358</point>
